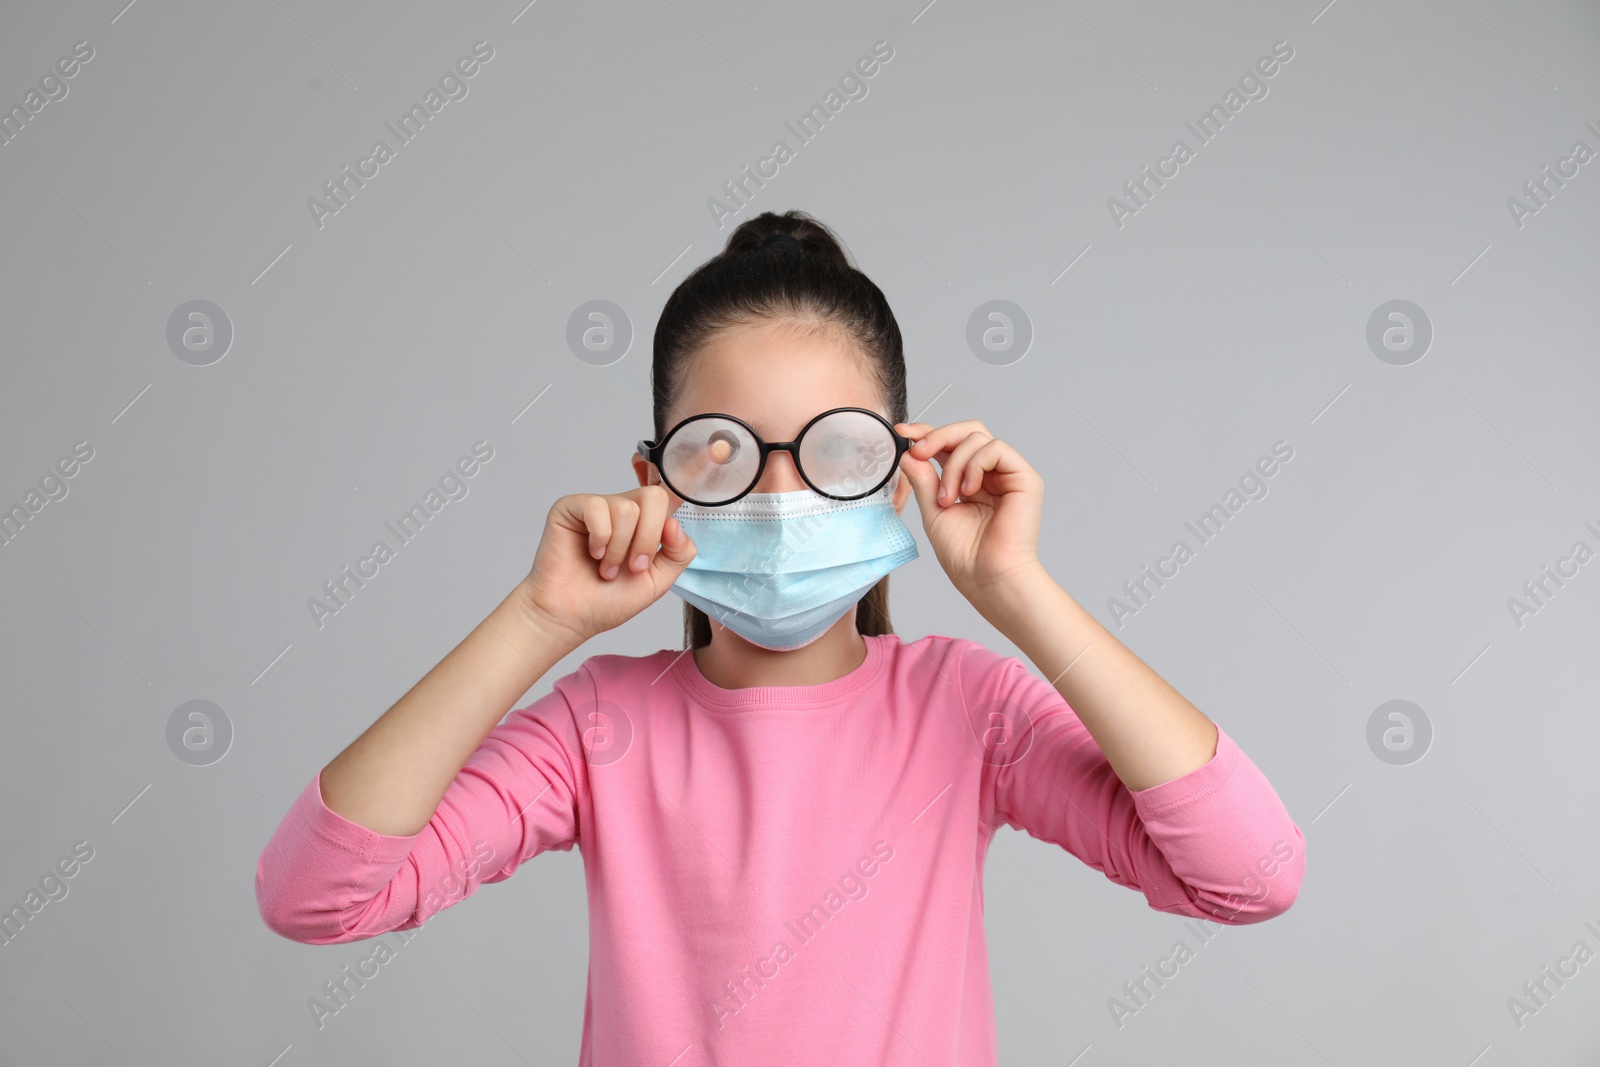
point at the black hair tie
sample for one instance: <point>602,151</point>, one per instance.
<point>778,241</point>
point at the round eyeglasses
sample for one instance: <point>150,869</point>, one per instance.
<point>714,459</point>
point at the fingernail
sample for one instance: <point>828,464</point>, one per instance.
<point>641,561</point>
<point>944,491</point>
<point>611,571</point>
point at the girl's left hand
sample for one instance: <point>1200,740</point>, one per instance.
<point>985,531</point>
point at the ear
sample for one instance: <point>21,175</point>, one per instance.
<point>902,492</point>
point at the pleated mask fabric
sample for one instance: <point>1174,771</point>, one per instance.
<point>778,569</point>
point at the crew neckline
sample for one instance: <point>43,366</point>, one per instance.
<point>686,671</point>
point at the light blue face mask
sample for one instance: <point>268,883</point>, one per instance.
<point>778,569</point>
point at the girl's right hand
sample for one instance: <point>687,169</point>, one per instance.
<point>586,535</point>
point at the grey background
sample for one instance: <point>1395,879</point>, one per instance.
<point>1228,314</point>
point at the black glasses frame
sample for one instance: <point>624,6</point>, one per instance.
<point>653,451</point>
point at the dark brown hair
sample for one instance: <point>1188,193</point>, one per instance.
<point>814,288</point>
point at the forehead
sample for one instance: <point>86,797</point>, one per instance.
<point>776,377</point>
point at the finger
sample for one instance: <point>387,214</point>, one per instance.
<point>689,468</point>
<point>597,520</point>
<point>936,440</point>
<point>652,501</point>
<point>991,456</point>
<point>624,517</point>
<point>951,476</point>
<point>924,481</point>
<point>677,550</point>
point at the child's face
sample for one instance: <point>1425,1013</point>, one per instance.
<point>777,382</point>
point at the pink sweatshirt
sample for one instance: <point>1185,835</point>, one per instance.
<point>790,874</point>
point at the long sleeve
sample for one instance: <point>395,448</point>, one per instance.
<point>323,879</point>
<point>1216,843</point>
<point>754,844</point>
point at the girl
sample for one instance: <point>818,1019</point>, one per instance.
<point>783,824</point>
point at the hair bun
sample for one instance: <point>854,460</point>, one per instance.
<point>792,231</point>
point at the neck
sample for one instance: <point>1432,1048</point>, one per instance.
<point>731,662</point>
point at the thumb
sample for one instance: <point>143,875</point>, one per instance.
<point>924,483</point>
<point>677,549</point>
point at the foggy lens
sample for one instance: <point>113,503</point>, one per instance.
<point>847,453</point>
<point>710,460</point>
